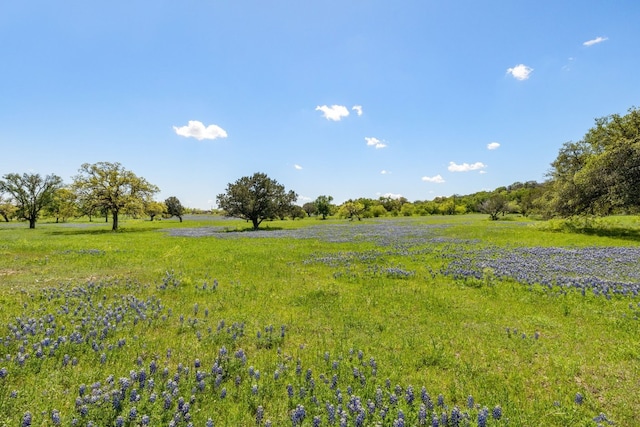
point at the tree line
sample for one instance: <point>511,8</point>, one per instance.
<point>598,175</point>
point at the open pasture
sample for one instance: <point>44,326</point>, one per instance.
<point>393,322</point>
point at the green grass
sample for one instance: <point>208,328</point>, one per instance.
<point>422,329</point>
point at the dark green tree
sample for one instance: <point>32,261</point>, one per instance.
<point>31,193</point>
<point>323,206</point>
<point>112,188</point>
<point>174,207</point>
<point>309,208</point>
<point>256,198</point>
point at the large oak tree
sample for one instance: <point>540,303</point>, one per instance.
<point>256,198</point>
<point>112,188</point>
<point>31,193</point>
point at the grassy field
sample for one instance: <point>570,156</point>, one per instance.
<point>399,321</point>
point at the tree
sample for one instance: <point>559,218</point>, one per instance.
<point>112,188</point>
<point>63,205</point>
<point>309,208</point>
<point>256,198</point>
<point>351,209</point>
<point>323,206</point>
<point>174,207</point>
<point>31,193</point>
<point>7,209</point>
<point>494,206</point>
<point>154,209</point>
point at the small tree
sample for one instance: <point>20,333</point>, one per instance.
<point>256,198</point>
<point>309,208</point>
<point>154,209</point>
<point>494,206</point>
<point>174,207</point>
<point>31,193</point>
<point>351,209</point>
<point>323,206</point>
<point>112,188</point>
<point>7,209</point>
<point>64,205</point>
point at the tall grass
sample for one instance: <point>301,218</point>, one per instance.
<point>379,322</point>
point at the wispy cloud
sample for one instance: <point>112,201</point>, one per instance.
<point>297,167</point>
<point>436,179</point>
<point>493,146</point>
<point>357,109</point>
<point>196,129</point>
<point>385,172</point>
<point>520,72</point>
<point>335,112</point>
<point>374,142</point>
<point>393,196</point>
<point>595,41</point>
<point>465,167</point>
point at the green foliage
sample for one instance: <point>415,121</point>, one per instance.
<point>323,206</point>
<point>31,193</point>
<point>174,207</point>
<point>256,198</point>
<point>109,187</point>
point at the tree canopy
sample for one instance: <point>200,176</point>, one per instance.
<point>256,198</point>
<point>174,207</point>
<point>31,193</point>
<point>112,188</point>
<point>323,206</point>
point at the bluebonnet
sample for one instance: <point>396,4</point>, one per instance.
<point>26,419</point>
<point>497,412</point>
<point>579,398</point>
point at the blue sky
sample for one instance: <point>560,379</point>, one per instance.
<point>348,98</point>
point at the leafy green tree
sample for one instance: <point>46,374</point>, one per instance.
<point>352,209</point>
<point>256,198</point>
<point>153,209</point>
<point>309,208</point>
<point>494,206</point>
<point>174,207</point>
<point>112,188</point>
<point>323,206</point>
<point>298,212</point>
<point>7,209</point>
<point>63,205</point>
<point>31,193</point>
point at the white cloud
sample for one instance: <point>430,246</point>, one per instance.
<point>520,72</point>
<point>595,41</point>
<point>199,131</point>
<point>305,199</point>
<point>357,109</point>
<point>437,179</point>
<point>465,167</point>
<point>385,172</point>
<point>298,167</point>
<point>493,145</point>
<point>335,112</point>
<point>374,142</point>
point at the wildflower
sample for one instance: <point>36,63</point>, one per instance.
<point>579,399</point>
<point>26,419</point>
<point>497,412</point>
<point>259,414</point>
<point>483,414</point>
<point>55,417</point>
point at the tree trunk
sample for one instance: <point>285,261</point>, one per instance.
<point>115,221</point>
<point>256,223</point>
<point>32,223</point>
<point>179,217</point>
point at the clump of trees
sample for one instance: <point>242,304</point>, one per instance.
<point>31,193</point>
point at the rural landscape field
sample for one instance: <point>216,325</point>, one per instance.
<point>438,321</point>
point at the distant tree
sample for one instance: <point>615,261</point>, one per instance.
<point>63,205</point>
<point>323,206</point>
<point>298,212</point>
<point>174,207</point>
<point>352,209</point>
<point>256,198</point>
<point>113,189</point>
<point>7,209</point>
<point>153,209</point>
<point>494,206</point>
<point>378,211</point>
<point>309,208</point>
<point>31,193</point>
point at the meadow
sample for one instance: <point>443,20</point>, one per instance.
<point>436,321</point>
